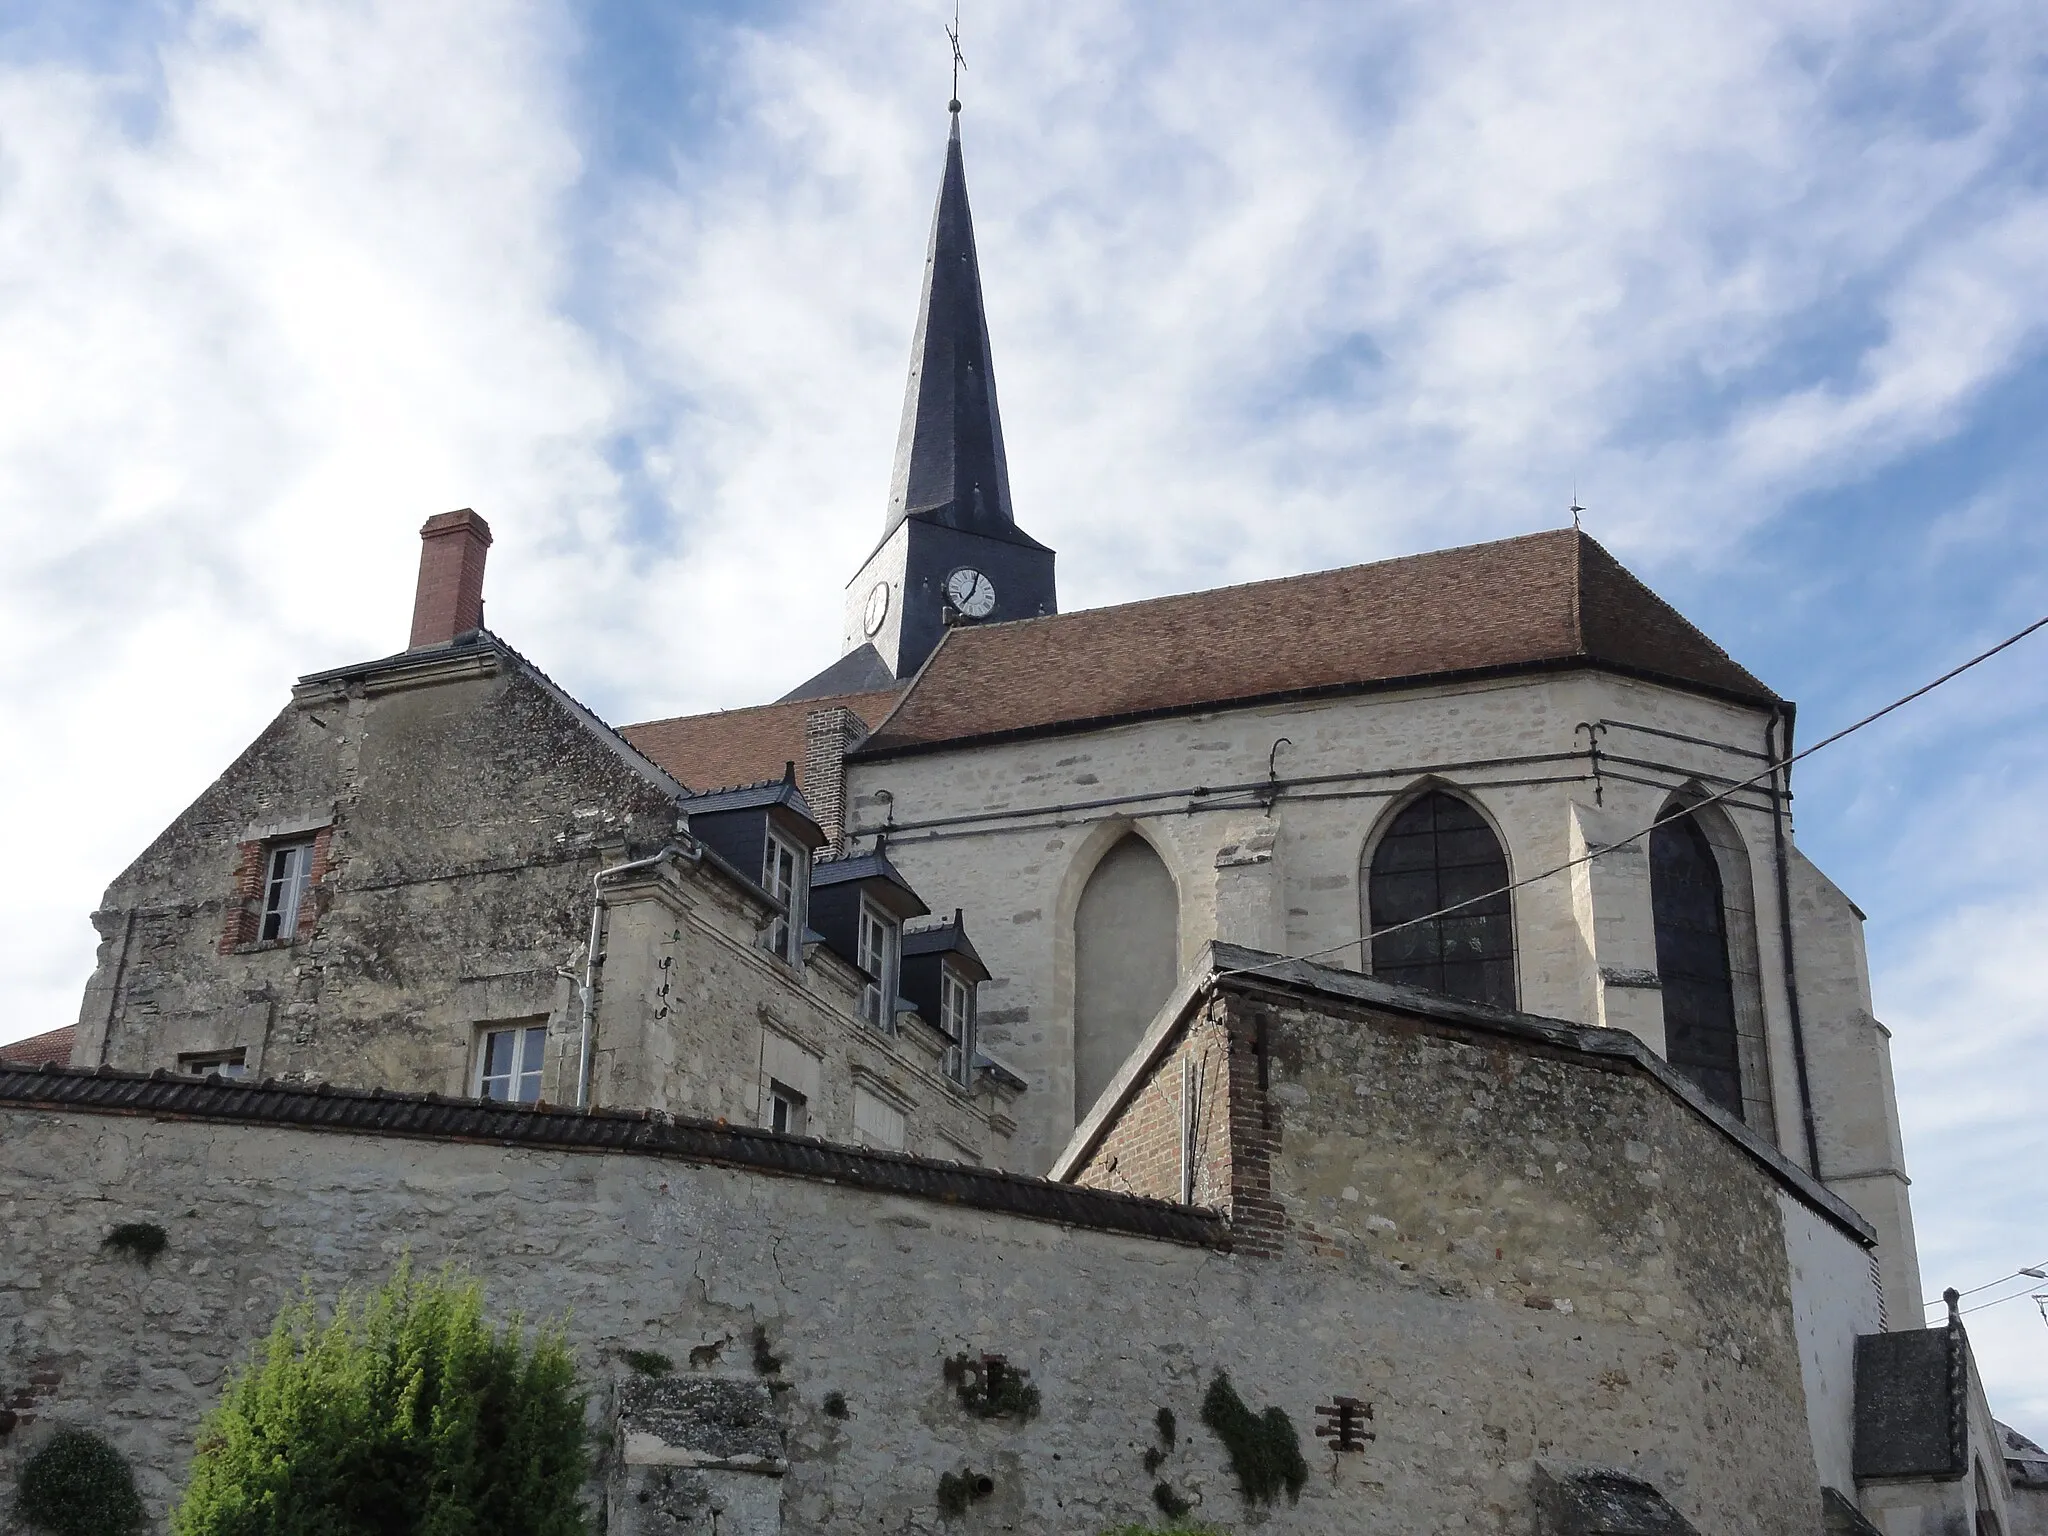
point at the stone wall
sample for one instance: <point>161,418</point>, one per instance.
<point>1514,1255</point>
<point>1264,816</point>
<point>461,807</point>
<point>1487,1155</point>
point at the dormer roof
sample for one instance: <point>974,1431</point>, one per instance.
<point>875,876</point>
<point>946,939</point>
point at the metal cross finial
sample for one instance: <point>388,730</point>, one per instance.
<point>959,59</point>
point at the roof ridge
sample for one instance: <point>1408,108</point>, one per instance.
<point>1012,625</point>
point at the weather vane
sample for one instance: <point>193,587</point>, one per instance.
<point>1575,509</point>
<point>959,59</point>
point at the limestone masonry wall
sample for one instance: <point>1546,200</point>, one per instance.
<point>1514,1256</point>
<point>1011,831</point>
<point>457,824</point>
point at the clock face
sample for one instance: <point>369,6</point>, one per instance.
<point>971,592</point>
<point>877,609</point>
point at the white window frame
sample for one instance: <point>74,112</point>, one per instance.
<point>285,867</point>
<point>879,948</point>
<point>231,1063</point>
<point>957,1008</point>
<point>529,1041</point>
<point>789,1111</point>
<point>790,886</point>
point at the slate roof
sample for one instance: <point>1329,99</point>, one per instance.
<point>947,936</point>
<point>860,670</point>
<point>950,467</point>
<point>742,746</point>
<point>2025,1462</point>
<point>860,868</point>
<point>431,1117</point>
<point>747,797</point>
<point>1545,601</point>
<point>55,1046</point>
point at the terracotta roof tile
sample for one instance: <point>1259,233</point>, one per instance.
<point>742,746</point>
<point>1546,599</point>
<point>38,1049</point>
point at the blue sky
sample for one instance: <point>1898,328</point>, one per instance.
<point>1270,290</point>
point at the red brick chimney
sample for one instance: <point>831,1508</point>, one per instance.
<point>450,601</point>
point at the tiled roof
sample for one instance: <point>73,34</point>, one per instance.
<point>1541,601</point>
<point>430,1117</point>
<point>38,1049</point>
<point>742,746</point>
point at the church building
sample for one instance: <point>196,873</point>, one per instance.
<point>1395,993</point>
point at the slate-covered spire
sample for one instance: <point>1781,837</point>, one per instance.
<point>950,467</point>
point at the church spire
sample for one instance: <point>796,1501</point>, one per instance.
<point>951,552</point>
<point>950,467</point>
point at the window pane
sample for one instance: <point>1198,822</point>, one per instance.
<point>1440,853</point>
<point>1692,960</point>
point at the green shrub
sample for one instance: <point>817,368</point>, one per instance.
<point>78,1485</point>
<point>649,1362</point>
<point>404,1414</point>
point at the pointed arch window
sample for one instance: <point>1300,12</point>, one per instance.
<point>1126,959</point>
<point>1692,960</point>
<point>1439,852</point>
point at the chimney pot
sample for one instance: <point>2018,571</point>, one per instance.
<point>450,600</point>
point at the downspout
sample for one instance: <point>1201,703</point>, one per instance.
<point>1781,789</point>
<point>587,994</point>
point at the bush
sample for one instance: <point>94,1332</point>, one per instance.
<point>78,1485</point>
<point>404,1416</point>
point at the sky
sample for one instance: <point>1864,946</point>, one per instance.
<point>1270,288</point>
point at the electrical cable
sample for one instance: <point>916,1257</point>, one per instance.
<point>2025,1271</point>
<point>2001,1301</point>
<point>1676,815</point>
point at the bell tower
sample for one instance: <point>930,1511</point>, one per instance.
<point>951,550</point>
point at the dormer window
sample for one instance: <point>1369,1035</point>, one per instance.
<point>786,876</point>
<point>941,972</point>
<point>880,945</point>
<point>956,1018</point>
<point>765,834</point>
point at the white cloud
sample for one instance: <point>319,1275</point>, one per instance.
<point>250,349</point>
<point>1970,1032</point>
<point>1268,292</point>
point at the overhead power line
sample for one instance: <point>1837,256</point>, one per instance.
<point>2022,1295</point>
<point>2025,1271</point>
<point>1586,858</point>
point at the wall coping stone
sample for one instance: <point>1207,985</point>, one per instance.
<point>435,1117</point>
<point>1231,967</point>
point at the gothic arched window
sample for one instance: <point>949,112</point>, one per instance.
<point>1692,959</point>
<point>1126,960</point>
<point>1440,852</point>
